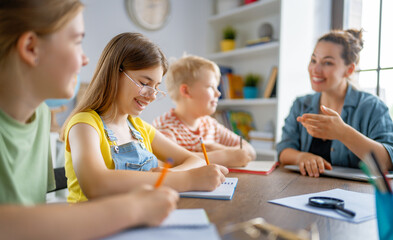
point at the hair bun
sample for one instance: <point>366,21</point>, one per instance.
<point>357,34</point>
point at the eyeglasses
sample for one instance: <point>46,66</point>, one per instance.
<point>147,91</point>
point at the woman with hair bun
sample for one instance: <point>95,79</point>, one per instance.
<point>338,125</point>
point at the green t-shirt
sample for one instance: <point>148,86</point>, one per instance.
<point>26,171</point>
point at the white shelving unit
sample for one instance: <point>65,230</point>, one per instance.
<point>245,52</point>
<point>289,50</point>
<point>254,59</point>
<point>246,12</point>
<point>266,152</point>
<point>248,102</point>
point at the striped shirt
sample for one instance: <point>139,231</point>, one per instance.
<point>209,129</point>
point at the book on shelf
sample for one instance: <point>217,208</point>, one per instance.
<point>242,122</point>
<point>225,69</point>
<point>222,117</point>
<point>223,86</point>
<point>270,90</point>
<point>235,86</point>
<point>231,85</point>
<point>258,41</point>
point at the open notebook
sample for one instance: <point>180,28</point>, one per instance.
<point>187,224</point>
<point>341,172</point>
<point>256,167</point>
<point>223,192</point>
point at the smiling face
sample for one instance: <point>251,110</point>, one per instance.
<point>327,68</point>
<point>204,93</point>
<point>128,99</point>
<point>60,59</point>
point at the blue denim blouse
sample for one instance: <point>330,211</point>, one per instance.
<point>364,112</point>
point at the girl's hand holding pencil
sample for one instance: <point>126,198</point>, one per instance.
<point>156,204</point>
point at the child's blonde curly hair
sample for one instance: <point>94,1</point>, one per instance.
<point>185,71</point>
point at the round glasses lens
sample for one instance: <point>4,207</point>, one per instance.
<point>147,91</point>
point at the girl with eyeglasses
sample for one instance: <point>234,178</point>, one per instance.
<point>104,134</point>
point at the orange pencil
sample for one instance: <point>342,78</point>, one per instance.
<point>167,165</point>
<point>204,151</point>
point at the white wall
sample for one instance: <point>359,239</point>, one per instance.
<point>185,32</point>
<point>302,23</point>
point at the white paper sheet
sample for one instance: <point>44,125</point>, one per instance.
<point>361,203</point>
<point>186,217</point>
<point>190,224</point>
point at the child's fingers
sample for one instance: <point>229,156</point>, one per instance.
<point>223,169</point>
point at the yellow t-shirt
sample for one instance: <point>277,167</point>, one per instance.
<point>93,119</point>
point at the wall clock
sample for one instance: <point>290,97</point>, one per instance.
<point>148,14</point>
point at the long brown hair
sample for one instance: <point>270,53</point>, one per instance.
<point>126,51</point>
<point>40,16</point>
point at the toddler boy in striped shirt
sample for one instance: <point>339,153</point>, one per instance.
<point>192,83</point>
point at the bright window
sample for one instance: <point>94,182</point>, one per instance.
<point>376,59</point>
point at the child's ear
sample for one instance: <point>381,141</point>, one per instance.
<point>27,48</point>
<point>184,90</point>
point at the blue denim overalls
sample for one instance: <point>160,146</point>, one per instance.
<point>132,155</point>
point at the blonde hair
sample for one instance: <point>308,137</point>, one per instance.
<point>43,17</point>
<point>186,71</point>
<point>126,51</point>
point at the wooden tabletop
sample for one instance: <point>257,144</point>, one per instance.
<point>254,191</point>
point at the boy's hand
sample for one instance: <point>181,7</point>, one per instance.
<point>237,157</point>
<point>207,178</point>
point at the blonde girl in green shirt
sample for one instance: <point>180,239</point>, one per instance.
<point>40,55</point>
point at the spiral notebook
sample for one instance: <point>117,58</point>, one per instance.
<point>223,192</point>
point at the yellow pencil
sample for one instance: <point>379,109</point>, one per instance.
<point>167,165</point>
<point>204,151</point>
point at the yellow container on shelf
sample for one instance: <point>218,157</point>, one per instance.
<point>227,45</point>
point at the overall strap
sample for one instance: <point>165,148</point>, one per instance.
<point>109,133</point>
<point>136,134</point>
